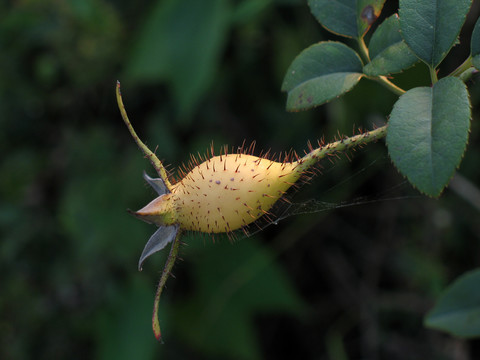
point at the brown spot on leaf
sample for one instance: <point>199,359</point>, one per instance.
<point>368,14</point>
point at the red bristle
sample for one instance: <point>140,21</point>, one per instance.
<point>258,225</point>
<point>284,199</point>
<point>296,155</point>
<point>241,148</point>
<point>267,154</point>
<point>265,213</point>
<point>247,206</point>
<point>251,148</point>
<point>309,145</point>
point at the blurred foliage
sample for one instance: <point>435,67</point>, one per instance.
<point>354,281</point>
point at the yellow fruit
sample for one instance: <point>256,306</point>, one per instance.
<point>222,194</point>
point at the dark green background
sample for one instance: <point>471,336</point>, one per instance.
<point>345,283</point>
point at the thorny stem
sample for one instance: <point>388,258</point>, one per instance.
<point>156,163</point>
<point>342,145</point>
<point>161,284</point>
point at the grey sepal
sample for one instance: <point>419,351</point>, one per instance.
<point>158,241</point>
<point>156,183</point>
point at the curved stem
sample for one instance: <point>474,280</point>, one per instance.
<point>156,163</point>
<point>388,84</point>
<point>172,256</point>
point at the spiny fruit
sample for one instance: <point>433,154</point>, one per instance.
<point>226,192</point>
<point>221,194</point>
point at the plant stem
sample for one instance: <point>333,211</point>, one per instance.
<point>388,84</point>
<point>381,79</point>
<point>156,163</point>
<point>172,256</point>
<point>363,50</point>
<point>467,64</point>
<point>341,145</point>
<point>433,74</point>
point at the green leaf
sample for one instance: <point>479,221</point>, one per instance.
<point>234,284</point>
<point>321,73</point>
<point>181,43</point>
<point>431,27</point>
<point>457,311</point>
<point>428,132</point>
<point>351,18</point>
<point>388,51</point>
<point>476,45</point>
